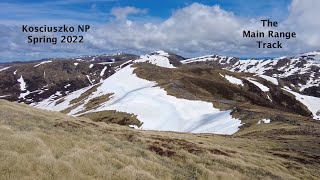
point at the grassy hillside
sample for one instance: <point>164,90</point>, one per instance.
<point>37,144</point>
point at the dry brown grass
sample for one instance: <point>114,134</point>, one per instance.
<point>61,100</point>
<point>114,117</point>
<point>37,144</point>
<point>85,95</point>
<point>96,102</point>
<point>80,100</point>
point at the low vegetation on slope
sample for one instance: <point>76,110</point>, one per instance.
<point>38,144</point>
<point>46,79</point>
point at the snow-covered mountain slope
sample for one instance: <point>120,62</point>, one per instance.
<point>153,107</point>
<point>280,67</point>
<point>313,103</point>
<point>50,78</point>
<point>37,81</point>
<point>302,72</point>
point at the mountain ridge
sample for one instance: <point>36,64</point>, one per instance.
<point>230,85</point>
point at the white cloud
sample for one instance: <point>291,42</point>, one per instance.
<point>303,18</point>
<point>194,30</point>
<point>200,29</point>
<point>122,12</point>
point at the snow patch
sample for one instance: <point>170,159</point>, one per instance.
<point>103,70</point>
<point>269,97</point>
<point>312,103</point>
<point>44,62</point>
<point>159,59</point>
<point>264,121</point>
<point>66,86</point>
<point>3,69</point>
<point>268,78</point>
<point>234,80</point>
<point>58,93</point>
<point>217,58</point>
<point>22,83</point>
<point>134,126</point>
<point>23,95</point>
<point>259,85</point>
<point>88,77</point>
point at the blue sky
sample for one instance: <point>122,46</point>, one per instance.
<point>99,9</point>
<point>189,28</point>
